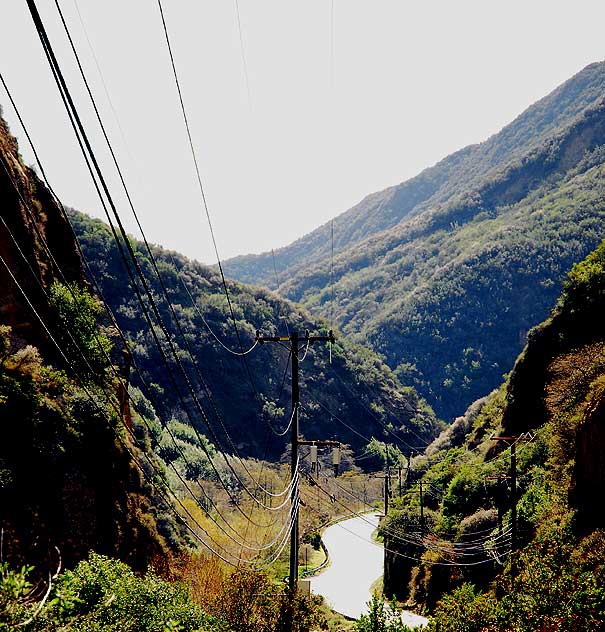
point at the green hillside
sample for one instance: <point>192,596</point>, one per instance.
<point>436,185</point>
<point>446,278</point>
<point>68,479</point>
<point>553,400</point>
<point>245,397</point>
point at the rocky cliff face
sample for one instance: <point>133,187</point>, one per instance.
<point>32,226</point>
<point>68,482</point>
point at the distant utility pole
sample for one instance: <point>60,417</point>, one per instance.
<point>387,487</point>
<point>386,492</point>
<point>421,508</point>
<point>421,499</point>
<point>294,339</point>
<point>513,483</point>
<point>400,491</point>
<point>387,479</point>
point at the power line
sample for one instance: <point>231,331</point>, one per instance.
<point>197,169</point>
<point>332,44</point>
<point>243,52</point>
<point>163,286</point>
<point>379,421</point>
<point>88,152</point>
<point>103,82</point>
<point>80,351</point>
<point>38,280</point>
<point>83,384</point>
<point>398,553</point>
<point>108,310</point>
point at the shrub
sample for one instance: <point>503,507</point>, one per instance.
<point>382,617</point>
<point>100,595</point>
<point>79,313</point>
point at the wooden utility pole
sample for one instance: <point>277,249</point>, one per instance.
<point>399,468</point>
<point>513,483</point>
<point>294,464</point>
<point>499,496</point>
<point>294,339</point>
<point>387,480</point>
<point>385,492</point>
<point>421,508</point>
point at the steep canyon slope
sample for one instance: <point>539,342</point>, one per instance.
<point>444,274</point>
<point>553,401</point>
<point>68,483</point>
<point>346,391</point>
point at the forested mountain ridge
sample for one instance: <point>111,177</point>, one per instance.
<point>552,407</point>
<point>435,185</point>
<point>244,398</point>
<point>448,293</point>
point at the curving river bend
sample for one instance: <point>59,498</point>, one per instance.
<point>356,563</point>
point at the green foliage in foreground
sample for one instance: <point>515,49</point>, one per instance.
<point>556,581</point>
<point>81,338</point>
<point>58,430</point>
<point>100,594</point>
<point>382,617</point>
<point>104,595</point>
<point>553,585</point>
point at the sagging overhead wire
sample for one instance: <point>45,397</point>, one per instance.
<point>243,52</point>
<point>152,258</point>
<point>197,171</point>
<point>103,413</point>
<point>108,360</point>
<point>151,255</point>
<point>203,197</point>
<point>97,288</point>
<point>398,553</point>
<point>103,82</point>
<point>337,418</point>
<point>66,283</point>
<point>206,324</point>
<point>380,422</point>
<point>198,311</point>
<point>177,447</point>
<point>127,192</point>
<point>95,173</point>
<point>359,434</point>
<point>33,148</point>
<point>435,541</point>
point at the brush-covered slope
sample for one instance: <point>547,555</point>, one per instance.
<point>245,401</point>
<point>434,186</point>
<point>555,396</point>
<point>68,484</point>
<point>447,283</point>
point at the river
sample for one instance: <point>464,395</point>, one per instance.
<point>356,563</point>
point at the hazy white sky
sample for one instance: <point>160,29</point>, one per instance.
<point>412,82</point>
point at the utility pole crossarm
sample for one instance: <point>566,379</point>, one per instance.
<point>301,339</point>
